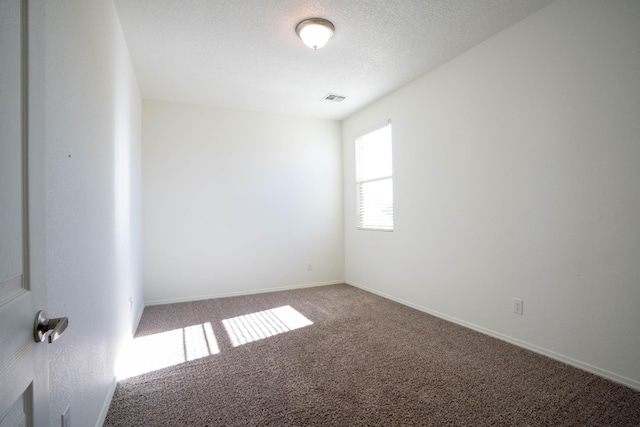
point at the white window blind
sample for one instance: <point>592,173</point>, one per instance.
<point>374,179</point>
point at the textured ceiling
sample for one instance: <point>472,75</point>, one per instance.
<point>246,55</point>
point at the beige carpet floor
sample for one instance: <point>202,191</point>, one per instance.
<point>339,356</point>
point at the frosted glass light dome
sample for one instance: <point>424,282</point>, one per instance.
<point>315,32</point>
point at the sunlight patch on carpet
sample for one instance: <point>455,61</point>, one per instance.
<point>153,352</point>
<point>263,324</point>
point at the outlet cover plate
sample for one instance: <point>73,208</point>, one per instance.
<point>517,306</point>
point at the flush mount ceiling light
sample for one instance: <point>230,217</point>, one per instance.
<point>315,32</point>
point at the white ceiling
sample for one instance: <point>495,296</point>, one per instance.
<point>245,54</point>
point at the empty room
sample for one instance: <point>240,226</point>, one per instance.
<point>399,212</point>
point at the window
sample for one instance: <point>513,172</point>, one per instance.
<point>374,180</point>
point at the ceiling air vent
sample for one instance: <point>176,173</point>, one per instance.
<point>333,98</point>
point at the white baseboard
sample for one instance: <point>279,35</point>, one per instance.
<point>540,350</point>
<point>233,294</point>
<point>112,388</point>
<point>107,403</point>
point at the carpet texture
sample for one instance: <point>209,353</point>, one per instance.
<point>364,361</point>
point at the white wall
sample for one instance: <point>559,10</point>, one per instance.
<point>238,202</point>
<point>517,174</point>
<point>92,163</point>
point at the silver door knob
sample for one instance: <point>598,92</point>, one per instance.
<point>44,327</point>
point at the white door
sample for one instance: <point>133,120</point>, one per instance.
<point>24,366</point>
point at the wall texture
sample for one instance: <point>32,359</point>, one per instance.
<point>92,162</point>
<point>517,174</point>
<point>238,202</point>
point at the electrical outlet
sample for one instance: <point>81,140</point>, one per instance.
<point>517,306</point>
<point>65,420</point>
<point>309,266</point>
<point>130,304</point>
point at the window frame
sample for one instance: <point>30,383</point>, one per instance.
<point>362,183</point>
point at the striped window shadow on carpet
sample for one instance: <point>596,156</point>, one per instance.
<point>264,324</point>
<point>158,351</point>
